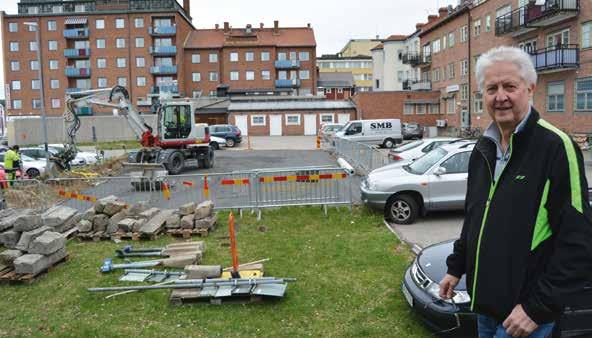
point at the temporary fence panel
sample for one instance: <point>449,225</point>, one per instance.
<point>24,194</point>
<point>361,156</point>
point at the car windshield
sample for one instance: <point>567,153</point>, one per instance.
<point>407,146</point>
<point>422,164</point>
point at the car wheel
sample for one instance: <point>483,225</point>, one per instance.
<point>230,142</point>
<point>214,145</point>
<point>32,173</point>
<point>401,209</point>
<point>388,143</point>
<point>176,163</point>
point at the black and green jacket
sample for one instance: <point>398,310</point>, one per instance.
<point>527,237</point>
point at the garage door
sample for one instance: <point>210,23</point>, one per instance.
<point>241,123</point>
<point>275,125</point>
<point>343,118</point>
<point>310,124</point>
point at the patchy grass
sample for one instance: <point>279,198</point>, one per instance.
<point>349,270</point>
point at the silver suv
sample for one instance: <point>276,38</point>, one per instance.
<point>435,181</point>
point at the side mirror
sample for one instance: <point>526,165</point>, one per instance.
<point>440,171</point>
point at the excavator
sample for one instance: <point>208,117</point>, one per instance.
<point>178,141</point>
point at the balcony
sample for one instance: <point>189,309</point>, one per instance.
<point>407,84</point>
<point>411,58</point>
<point>82,53</point>
<point>530,17</point>
<point>163,50</point>
<point>287,83</point>
<point>425,59</point>
<point>287,64</point>
<point>173,89</point>
<point>556,58</point>
<point>162,30</point>
<point>77,72</point>
<point>163,70</point>
<point>77,33</point>
<point>421,85</point>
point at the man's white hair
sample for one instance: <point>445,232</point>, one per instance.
<point>514,55</point>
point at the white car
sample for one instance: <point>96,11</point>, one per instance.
<point>87,156</point>
<point>416,149</point>
<point>216,142</point>
<point>31,166</point>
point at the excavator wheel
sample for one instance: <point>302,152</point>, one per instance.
<point>209,163</point>
<point>176,163</point>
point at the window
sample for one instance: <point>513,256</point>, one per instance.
<point>421,109</point>
<point>140,62</point>
<point>55,103</point>
<point>213,58</point>
<point>121,63</point>
<point>434,108</point>
<point>257,120</point>
<point>464,67</point>
<point>213,76</point>
<point>478,103</point>
<point>450,71</point>
<point>584,94</point>
<point>282,56</point>
<point>249,56</point>
<point>33,10</point>
<point>293,55</point>
<point>100,24</point>
<point>464,33</point>
<point>195,58</point>
<point>408,109</point>
<point>558,38</point>
<point>457,163</point>
<point>13,27</point>
<point>326,118</point>
<point>304,56</point>
<point>304,74</point>
<point>100,43</point>
<point>102,82</point>
<point>444,43</point>
<point>213,93</point>
<point>120,43</point>
<point>250,75</point>
<point>52,45</point>
<point>587,34</point>
<point>436,75</point>
<point>464,92</point>
<point>34,65</point>
<point>17,104</point>
<point>477,27</point>
<point>15,85</point>
<point>234,57</point>
<point>54,83</point>
<point>196,77</point>
<point>79,8</point>
<point>436,46</point>
<point>451,39</point>
<point>377,83</point>
<point>328,90</point>
<point>529,46</point>
<point>57,9</point>
<point>139,22</point>
<point>196,93</point>
<point>119,23</point>
<point>451,105</point>
<point>488,23</point>
<point>555,96</point>
<point>140,81</point>
<point>36,103</point>
<point>53,64</point>
<point>265,75</point>
<point>31,28</point>
<point>14,46</point>
<point>293,120</point>
<point>139,42</point>
<point>234,76</point>
<point>32,46</point>
<point>122,81</point>
<point>15,66</point>
<point>282,75</point>
<point>52,25</point>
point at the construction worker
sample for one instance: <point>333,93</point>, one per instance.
<point>12,162</point>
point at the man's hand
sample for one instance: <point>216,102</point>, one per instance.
<point>518,324</point>
<point>447,286</point>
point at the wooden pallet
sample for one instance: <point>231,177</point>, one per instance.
<point>135,236</point>
<point>191,296</point>
<point>9,276</point>
<point>93,236</point>
<point>188,233</point>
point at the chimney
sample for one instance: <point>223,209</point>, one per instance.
<point>186,7</point>
<point>377,37</point>
<point>419,25</point>
<point>442,12</point>
<point>308,25</point>
<point>226,27</point>
<point>432,18</point>
<point>249,29</point>
<point>261,25</point>
<point>276,26</point>
<point>216,26</point>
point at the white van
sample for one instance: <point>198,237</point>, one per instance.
<point>386,132</point>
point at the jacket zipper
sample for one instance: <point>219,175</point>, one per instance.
<point>492,188</point>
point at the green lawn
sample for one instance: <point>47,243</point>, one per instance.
<point>349,269</point>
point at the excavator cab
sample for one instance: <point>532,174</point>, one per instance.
<point>177,122</point>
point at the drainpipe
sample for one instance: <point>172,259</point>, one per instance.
<point>470,71</point>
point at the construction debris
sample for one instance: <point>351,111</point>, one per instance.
<point>192,219</point>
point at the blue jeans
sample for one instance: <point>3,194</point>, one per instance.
<point>491,328</point>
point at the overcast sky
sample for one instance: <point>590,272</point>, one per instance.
<point>334,22</point>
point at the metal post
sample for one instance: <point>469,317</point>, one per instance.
<point>41,90</point>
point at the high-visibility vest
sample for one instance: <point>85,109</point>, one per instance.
<point>9,158</point>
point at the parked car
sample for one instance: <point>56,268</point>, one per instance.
<point>230,133</point>
<point>385,132</point>
<point>435,181</point>
<point>38,153</point>
<point>420,289</point>
<point>89,157</point>
<point>416,149</point>
<point>328,130</point>
<point>31,166</point>
<point>215,142</point>
<point>412,131</point>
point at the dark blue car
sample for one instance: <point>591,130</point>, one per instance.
<point>230,133</point>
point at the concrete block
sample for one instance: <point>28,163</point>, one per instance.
<point>148,214</point>
<point>31,263</point>
<point>8,217</point>
<point>100,204</point>
<point>206,223</point>
<point>89,214</point>
<point>56,217</point>
<point>27,222</point>
<point>100,222</point>
<point>173,222</point>
<point>56,256</point>
<point>47,243</point>
<point>69,224</point>
<point>29,236</point>
<point>155,223</point>
<point>10,238</point>
<point>113,207</point>
<point>203,271</point>
<point>138,208</point>
<point>126,224</point>
<point>85,226</point>
<point>187,209</point>
<point>204,209</point>
<point>7,257</point>
<point>138,224</point>
<point>187,222</point>
<point>114,220</point>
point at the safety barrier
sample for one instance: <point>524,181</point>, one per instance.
<point>362,156</point>
<point>24,194</point>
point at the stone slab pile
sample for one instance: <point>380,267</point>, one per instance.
<point>192,216</point>
<point>36,251</point>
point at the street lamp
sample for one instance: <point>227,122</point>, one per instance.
<point>41,91</point>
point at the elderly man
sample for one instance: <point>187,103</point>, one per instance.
<point>526,240</point>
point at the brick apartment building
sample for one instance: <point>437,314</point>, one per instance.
<point>148,46</point>
<point>557,34</point>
